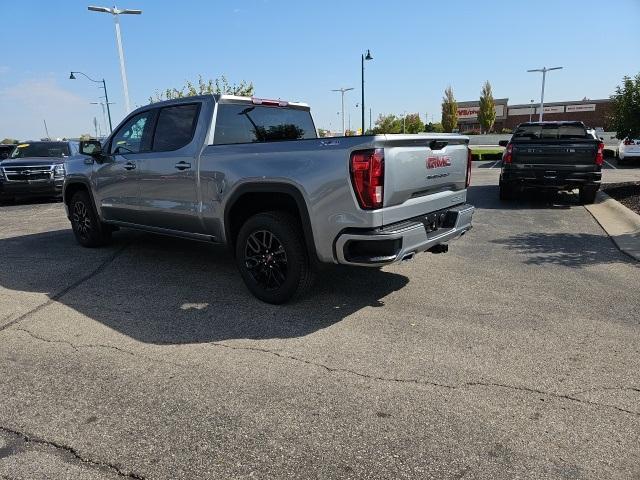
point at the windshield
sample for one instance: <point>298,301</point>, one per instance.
<point>41,149</point>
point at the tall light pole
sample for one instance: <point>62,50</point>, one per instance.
<point>116,13</point>
<point>342,92</point>
<point>104,86</point>
<point>364,57</point>
<point>544,71</point>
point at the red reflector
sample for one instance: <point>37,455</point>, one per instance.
<point>628,141</point>
<point>507,156</point>
<point>600,154</point>
<point>367,177</point>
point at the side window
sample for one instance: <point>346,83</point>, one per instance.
<point>134,136</point>
<point>175,127</point>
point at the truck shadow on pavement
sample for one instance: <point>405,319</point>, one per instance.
<point>573,250</point>
<point>169,291</point>
<point>487,197</point>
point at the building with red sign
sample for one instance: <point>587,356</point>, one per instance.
<point>593,113</point>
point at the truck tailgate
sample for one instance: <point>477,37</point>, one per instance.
<point>417,166</point>
<point>558,153</point>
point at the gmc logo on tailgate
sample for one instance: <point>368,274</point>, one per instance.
<point>438,162</point>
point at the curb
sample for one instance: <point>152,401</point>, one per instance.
<point>620,223</point>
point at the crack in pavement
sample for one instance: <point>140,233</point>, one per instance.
<point>60,446</point>
<point>53,298</point>
<point>568,396</point>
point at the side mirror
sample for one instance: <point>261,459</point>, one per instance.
<point>91,147</point>
<point>503,143</point>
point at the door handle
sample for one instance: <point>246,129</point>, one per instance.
<point>183,165</point>
<point>129,166</point>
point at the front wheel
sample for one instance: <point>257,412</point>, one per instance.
<point>86,225</point>
<point>272,257</point>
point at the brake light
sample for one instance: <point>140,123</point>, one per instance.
<point>628,141</point>
<point>469,160</point>
<point>367,177</point>
<point>273,103</point>
<point>507,156</point>
<point>600,154</point>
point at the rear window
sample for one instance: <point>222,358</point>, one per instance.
<point>551,131</point>
<point>175,127</point>
<point>257,123</point>
<point>41,149</point>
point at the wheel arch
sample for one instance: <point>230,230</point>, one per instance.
<point>256,197</point>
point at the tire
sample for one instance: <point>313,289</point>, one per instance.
<point>588,195</point>
<point>88,229</point>
<point>507,192</point>
<point>272,257</point>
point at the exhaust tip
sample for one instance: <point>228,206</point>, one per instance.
<point>408,256</point>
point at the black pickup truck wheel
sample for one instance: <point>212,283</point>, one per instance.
<point>272,257</point>
<point>507,192</point>
<point>588,195</point>
<point>86,225</point>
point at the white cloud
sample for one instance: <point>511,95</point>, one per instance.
<point>25,105</point>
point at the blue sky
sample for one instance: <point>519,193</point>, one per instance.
<point>299,50</point>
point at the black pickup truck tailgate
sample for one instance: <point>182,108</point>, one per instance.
<point>558,152</point>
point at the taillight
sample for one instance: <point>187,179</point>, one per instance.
<point>628,141</point>
<point>469,160</point>
<point>367,177</point>
<point>507,156</point>
<point>600,154</point>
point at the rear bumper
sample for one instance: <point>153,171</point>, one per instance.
<point>398,241</point>
<point>549,178</point>
<point>48,188</point>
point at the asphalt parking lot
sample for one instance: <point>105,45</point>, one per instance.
<point>515,355</point>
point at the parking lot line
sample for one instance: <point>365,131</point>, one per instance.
<point>495,163</point>
<point>615,168</point>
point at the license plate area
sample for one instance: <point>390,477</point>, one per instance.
<point>442,219</point>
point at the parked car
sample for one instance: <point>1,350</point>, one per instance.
<point>35,169</point>
<point>251,174</point>
<point>552,155</point>
<point>628,150</point>
<point>5,150</point>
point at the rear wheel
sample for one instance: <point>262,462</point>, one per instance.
<point>588,195</point>
<point>272,257</point>
<point>507,192</point>
<point>86,225</point>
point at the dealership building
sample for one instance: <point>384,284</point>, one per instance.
<point>593,113</point>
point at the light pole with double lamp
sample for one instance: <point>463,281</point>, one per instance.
<point>544,71</point>
<point>104,86</point>
<point>342,92</point>
<point>364,57</point>
<point>116,13</point>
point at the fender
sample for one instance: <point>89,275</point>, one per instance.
<point>273,187</point>
<point>79,181</point>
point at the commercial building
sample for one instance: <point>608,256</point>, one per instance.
<point>593,113</point>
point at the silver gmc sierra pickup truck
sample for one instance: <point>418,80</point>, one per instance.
<point>252,174</point>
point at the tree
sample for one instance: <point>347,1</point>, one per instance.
<point>388,124</point>
<point>323,133</point>
<point>218,86</point>
<point>434,127</point>
<point>10,141</point>
<point>413,124</point>
<point>625,116</point>
<point>86,136</point>
<point>487,110</point>
<point>449,110</point>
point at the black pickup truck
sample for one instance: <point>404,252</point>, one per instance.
<point>552,155</point>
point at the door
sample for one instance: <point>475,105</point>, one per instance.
<point>117,176</point>
<point>168,194</point>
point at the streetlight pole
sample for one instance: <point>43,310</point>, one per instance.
<point>116,13</point>
<point>104,87</point>
<point>363,58</point>
<point>342,92</point>
<point>544,71</point>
